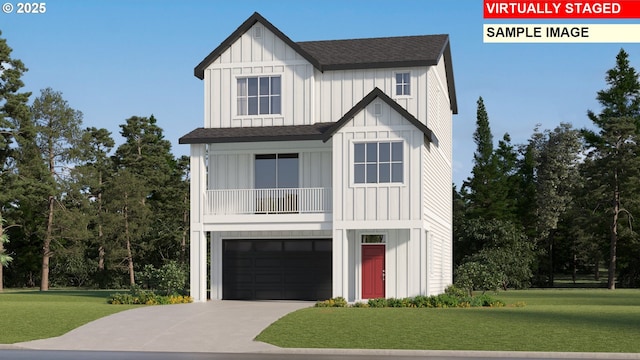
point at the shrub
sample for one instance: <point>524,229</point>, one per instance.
<point>333,302</point>
<point>444,301</point>
<point>455,291</point>
<point>169,279</point>
<point>138,296</point>
<point>360,305</point>
<point>420,301</point>
<point>450,299</point>
<point>377,303</point>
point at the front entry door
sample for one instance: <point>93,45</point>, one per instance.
<point>373,275</point>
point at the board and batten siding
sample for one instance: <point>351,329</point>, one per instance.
<point>377,202</point>
<point>232,165</point>
<point>263,56</point>
<point>336,92</point>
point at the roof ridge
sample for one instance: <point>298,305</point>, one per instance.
<point>371,38</point>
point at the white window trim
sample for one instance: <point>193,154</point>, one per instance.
<point>411,85</point>
<point>351,163</point>
<point>234,94</point>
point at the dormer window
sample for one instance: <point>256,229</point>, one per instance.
<point>259,95</point>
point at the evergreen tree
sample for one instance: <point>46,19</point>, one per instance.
<point>490,186</point>
<point>557,179</point>
<point>13,111</point>
<point>58,132</point>
<point>91,175</point>
<point>130,220</point>
<point>146,157</point>
<point>614,155</point>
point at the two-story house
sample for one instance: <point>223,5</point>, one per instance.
<point>323,168</point>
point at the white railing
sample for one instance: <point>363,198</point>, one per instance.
<point>267,201</point>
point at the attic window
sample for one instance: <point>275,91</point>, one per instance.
<point>403,84</point>
<point>377,109</point>
<point>257,32</point>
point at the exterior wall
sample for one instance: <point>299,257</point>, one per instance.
<point>436,182</point>
<point>197,239</point>
<point>336,92</point>
<point>405,259</point>
<point>232,165</point>
<point>250,56</point>
<point>376,202</point>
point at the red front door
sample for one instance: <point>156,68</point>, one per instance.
<point>373,271</point>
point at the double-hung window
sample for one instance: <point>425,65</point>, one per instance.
<point>259,95</point>
<point>403,84</point>
<point>378,162</point>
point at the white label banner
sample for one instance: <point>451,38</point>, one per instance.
<point>561,33</point>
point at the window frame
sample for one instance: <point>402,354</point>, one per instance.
<point>353,163</point>
<point>243,94</point>
<point>408,92</point>
<point>276,156</point>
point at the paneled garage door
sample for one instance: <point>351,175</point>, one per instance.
<point>276,269</point>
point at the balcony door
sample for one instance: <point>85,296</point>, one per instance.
<point>276,177</point>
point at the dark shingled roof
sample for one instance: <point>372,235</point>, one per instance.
<point>253,134</point>
<point>403,51</point>
<point>318,131</point>
<point>387,52</point>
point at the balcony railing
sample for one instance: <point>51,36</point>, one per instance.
<point>268,201</point>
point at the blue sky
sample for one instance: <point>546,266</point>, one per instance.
<point>115,59</point>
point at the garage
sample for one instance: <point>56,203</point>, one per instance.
<point>276,269</point>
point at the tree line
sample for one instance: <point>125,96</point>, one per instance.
<point>564,202</point>
<point>74,209</point>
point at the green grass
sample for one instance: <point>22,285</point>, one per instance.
<point>552,320</point>
<point>31,315</point>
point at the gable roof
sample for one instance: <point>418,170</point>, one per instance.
<point>317,131</point>
<point>246,25</point>
<point>384,52</point>
<point>362,104</point>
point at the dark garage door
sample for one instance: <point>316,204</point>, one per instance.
<point>276,269</point>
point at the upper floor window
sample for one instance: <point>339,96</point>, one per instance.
<point>403,84</point>
<point>259,95</point>
<point>378,162</point>
<point>274,171</point>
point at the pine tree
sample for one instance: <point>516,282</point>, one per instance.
<point>91,174</point>
<point>488,189</point>
<point>146,157</point>
<point>614,153</point>
<point>58,132</point>
<point>13,110</point>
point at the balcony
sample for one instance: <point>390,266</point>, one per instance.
<point>267,201</point>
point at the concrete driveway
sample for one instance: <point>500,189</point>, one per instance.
<point>215,326</point>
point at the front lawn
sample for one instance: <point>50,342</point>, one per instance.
<point>552,320</point>
<point>31,315</point>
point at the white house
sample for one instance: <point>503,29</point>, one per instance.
<point>323,168</point>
